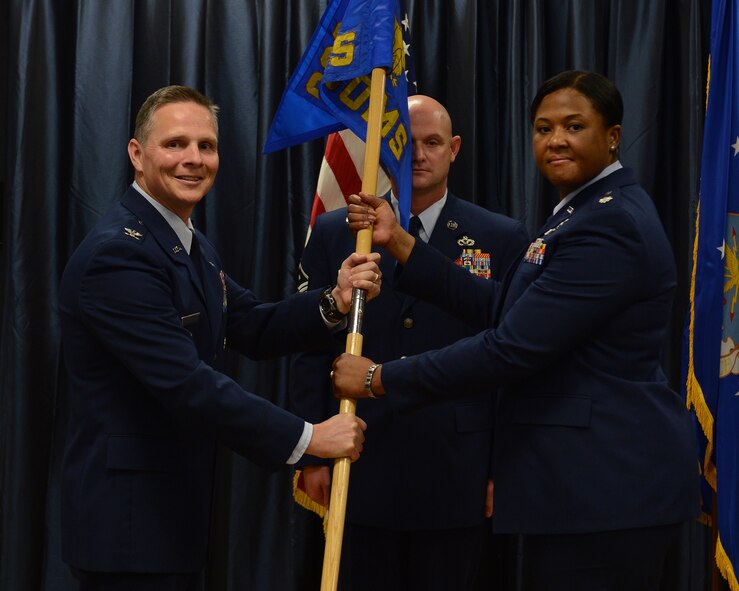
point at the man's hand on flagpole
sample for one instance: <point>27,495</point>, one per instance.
<point>341,436</point>
<point>350,374</point>
<point>364,209</point>
<point>317,480</point>
<point>360,271</point>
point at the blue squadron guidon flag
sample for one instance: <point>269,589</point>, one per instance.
<point>329,90</point>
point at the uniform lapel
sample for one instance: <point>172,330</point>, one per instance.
<point>618,178</point>
<point>514,283</point>
<point>214,281</point>
<point>166,237</point>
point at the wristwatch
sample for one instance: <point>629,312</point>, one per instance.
<point>328,306</point>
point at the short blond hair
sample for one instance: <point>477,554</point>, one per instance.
<point>166,96</point>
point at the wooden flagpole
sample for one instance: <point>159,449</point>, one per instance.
<point>340,481</point>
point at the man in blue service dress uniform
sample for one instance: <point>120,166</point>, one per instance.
<point>415,513</point>
<point>146,314</point>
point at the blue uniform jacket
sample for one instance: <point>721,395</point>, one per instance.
<point>589,435</point>
<point>143,341</point>
<point>425,469</point>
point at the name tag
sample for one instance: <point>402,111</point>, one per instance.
<point>190,319</point>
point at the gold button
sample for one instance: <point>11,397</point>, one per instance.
<point>407,322</point>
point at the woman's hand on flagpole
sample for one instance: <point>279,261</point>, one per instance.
<point>365,210</point>
<point>348,376</point>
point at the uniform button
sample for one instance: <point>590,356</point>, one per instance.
<point>407,322</point>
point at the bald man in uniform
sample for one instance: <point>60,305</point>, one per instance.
<point>416,516</point>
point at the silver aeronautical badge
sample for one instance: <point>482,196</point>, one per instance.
<point>132,233</point>
<point>557,227</point>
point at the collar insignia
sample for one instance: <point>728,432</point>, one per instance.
<point>605,199</point>
<point>177,248</point>
<point>570,209</point>
<point>452,225</point>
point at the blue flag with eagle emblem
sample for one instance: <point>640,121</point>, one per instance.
<point>330,87</point>
<point>712,383</point>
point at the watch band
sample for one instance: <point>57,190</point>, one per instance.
<point>328,306</point>
<point>368,380</point>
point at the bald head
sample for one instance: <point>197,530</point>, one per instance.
<point>434,149</point>
<point>429,107</point>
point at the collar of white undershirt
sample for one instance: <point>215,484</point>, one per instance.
<point>603,173</point>
<point>183,230</point>
<point>428,216</point>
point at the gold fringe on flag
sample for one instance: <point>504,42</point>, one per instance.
<point>694,397</point>
<point>725,567</point>
<point>301,498</point>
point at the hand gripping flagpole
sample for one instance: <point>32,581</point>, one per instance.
<point>340,481</point>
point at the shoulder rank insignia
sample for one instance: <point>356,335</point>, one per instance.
<point>466,241</point>
<point>605,199</point>
<point>452,225</point>
<point>132,233</point>
<point>535,252</point>
<point>475,261</point>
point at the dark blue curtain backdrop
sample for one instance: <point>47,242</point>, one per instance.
<point>75,72</point>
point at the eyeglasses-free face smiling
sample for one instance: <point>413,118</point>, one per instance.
<point>178,161</point>
<point>571,143</point>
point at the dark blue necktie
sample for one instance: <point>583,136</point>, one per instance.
<point>414,227</point>
<point>195,255</point>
